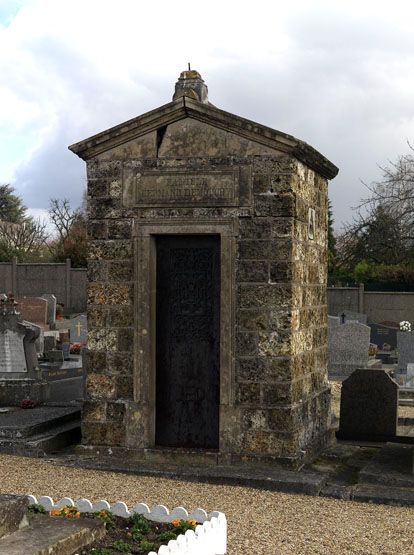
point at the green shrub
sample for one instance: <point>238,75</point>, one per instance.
<point>107,517</point>
<point>36,508</point>
<point>139,523</point>
<point>122,546</point>
<point>148,546</point>
<point>167,536</point>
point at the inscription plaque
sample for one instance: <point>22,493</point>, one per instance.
<point>182,188</point>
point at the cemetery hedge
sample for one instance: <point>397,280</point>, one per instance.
<point>376,277</point>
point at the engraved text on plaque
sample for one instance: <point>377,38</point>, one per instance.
<point>179,188</point>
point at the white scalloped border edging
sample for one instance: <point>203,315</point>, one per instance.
<point>209,537</point>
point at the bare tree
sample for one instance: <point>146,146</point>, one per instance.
<point>382,230</point>
<point>62,216</point>
<point>24,238</point>
<point>394,193</point>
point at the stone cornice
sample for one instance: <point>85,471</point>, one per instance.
<point>187,107</point>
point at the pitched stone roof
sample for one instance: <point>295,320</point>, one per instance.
<point>185,106</point>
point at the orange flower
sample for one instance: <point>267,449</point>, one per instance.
<point>176,522</point>
<point>55,512</point>
<point>68,512</point>
<point>192,521</point>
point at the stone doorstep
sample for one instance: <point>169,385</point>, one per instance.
<point>267,477</point>
<point>52,536</point>
<point>191,457</point>
<point>51,441</point>
<point>272,478</point>
<point>30,422</point>
<point>13,513</point>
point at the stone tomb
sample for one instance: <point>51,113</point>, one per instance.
<point>12,355</point>
<point>51,309</point>
<point>369,406</point>
<point>18,357</point>
<point>351,316</point>
<point>79,329</point>
<point>384,336</point>
<point>40,341</point>
<point>405,343</point>
<point>207,286</point>
<point>33,309</point>
<point>348,346</point>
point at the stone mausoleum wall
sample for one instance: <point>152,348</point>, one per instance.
<point>281,398</point>
<point>275,404</point>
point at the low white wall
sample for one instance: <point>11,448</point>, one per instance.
<point>209,538</point>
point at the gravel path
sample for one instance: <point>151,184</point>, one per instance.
<point>263,523</point>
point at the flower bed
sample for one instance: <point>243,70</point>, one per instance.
<point>197,533</point>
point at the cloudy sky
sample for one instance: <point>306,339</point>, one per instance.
<point>339,75</point>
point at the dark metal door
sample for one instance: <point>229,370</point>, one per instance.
<point>188,341</point>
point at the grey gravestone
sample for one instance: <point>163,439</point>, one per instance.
<point>384,336</point>
<point>369,406</point>
<point>78,329</point>
<point>49,342</point>
<point>40,342</point>
<point>410,372</point>
<point>12,351</point>
<point>333,322</point>
<point>51,309</point>
<point>64,336</point>
<point>18,356</point>
<point>55,356</point>
<point>349,315</point>
<point>62,324</point>
<point>348,346</point>
<point>33,309</point>
<point>66,350</point>
<point>32,335</point>
<point>405,343</point>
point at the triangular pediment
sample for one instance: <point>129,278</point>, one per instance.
<point>186,107</point>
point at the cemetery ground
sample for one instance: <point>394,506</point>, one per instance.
<point>260,522</point>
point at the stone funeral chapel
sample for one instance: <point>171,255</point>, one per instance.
<point>207,286</point>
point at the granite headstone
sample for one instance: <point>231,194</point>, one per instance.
<point>333,322</point>
<point>55,356</point>
<point>49,342</point>
<point>66,350</point>
<point>384,336</point>
<point>348,349</point>
<point>351,316</point>
<point>369,406</point>
<point>78,329</point>
<point>12,352</point>
<point>40,342</point>
<point>51,309</point>
<point>33,309</point>
<point>405,343</point>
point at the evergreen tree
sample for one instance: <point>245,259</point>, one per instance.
<point>12,208</point>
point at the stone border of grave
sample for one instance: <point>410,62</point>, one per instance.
<point>209,538</point>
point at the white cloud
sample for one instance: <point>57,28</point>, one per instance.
<point>338,75</point>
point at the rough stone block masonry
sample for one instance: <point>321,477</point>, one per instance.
<point>206,286</point>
